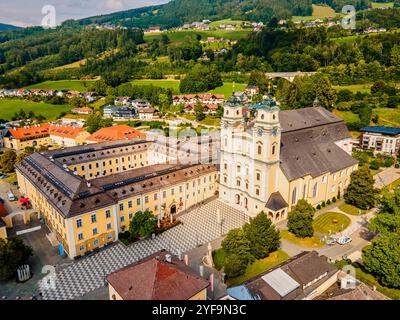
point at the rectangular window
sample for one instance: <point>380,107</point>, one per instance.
<point>93,217</point>
<point>79,223</point>
<point>108,214</point>
<point>80,236</point>
<point>82,247</point>
<point>130,216</point>
<point>121,207</point>
<point>130,204</point>
<point>95,231</point>
<point>146,199</point>
<point>138,201</point>
<point>155,196</point>
<point>122,219</point>
<point>109,227</point>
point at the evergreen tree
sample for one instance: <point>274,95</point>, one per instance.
<point>262,236</point>
<point>237,243</point>
<point>7,161</point>
<point>300,219</point>
<point>361,192</point>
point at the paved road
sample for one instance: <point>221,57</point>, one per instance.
<point>199,227</point>
<point>386,177</point>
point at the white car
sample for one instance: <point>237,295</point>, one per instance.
<point>11,196</point>
<point>344,240</point>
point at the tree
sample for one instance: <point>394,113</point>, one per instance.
<point>143,224</point>
<point>382,259</point>
<point>260,80</point>
<point>7,161</point>
<point>201,78</point>
<point>361,192</point>
<point>388,219</point>
<point>95,122</point>
<point>234,266</point>
<point>237,243</point>
<point>199,112</point>
<point>13,253</point>
<point>300,219</point>
<point>262,236</point>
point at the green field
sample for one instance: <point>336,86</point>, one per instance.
<point>387,116</point>
<point>226,21</point>
<point>180,36</point>
<point>347,116</point>
<point>226,89</point>
<point>356,87</point>
<point>333,222</point>
<point>74,85</point>
<point>319,12</point>
<point>167,84</point>
<point>8,107</point>
<point>377,5</point>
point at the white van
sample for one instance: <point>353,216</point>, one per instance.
<point>11,197</point>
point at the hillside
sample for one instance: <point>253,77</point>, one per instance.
<point>7,27</point>
<point>178,12</point>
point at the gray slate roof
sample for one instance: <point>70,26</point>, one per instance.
<point>308,143</point>
<point>276,202</point>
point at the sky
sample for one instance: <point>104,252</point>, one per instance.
<point>29,12</point>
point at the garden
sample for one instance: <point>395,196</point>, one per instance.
<point>331,223</point>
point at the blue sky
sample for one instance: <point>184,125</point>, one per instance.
<point>29,12</point>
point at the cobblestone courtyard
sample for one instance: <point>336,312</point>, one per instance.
<point>198,227</point>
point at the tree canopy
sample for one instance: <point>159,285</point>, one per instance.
<point>300,219</point>
<point>361,192</point>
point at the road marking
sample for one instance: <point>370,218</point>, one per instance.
<point>29,230</point>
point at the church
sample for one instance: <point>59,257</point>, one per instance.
<point>270,158</point>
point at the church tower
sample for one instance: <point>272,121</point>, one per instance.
<point>250,155</point>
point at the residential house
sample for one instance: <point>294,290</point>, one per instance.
<point>302,277</point>
<point>381,139</point>
<point>160,276</point>
<point>84,110</point>
<point>204,98</point>
<point>148,113</point>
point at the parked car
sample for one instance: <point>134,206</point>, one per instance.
<point>344,240</point>
<point>11,196</point>
<point>3,176</point>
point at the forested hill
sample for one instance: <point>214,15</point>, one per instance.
<point>178,12</point>
<point>7,27</point>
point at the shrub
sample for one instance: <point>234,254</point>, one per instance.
<point>234,266</point>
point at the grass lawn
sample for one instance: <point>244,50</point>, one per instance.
<point>352,210</point>
<point>167,84</point>
<point>227,89</point>
<point>331,221</point>
<point>8,107</point>
<point>347,116</point>
<point>377,5</point>
<point>259,267</point>
<point>387,116</point>
<point>75,85</point>
<point>180,36</point>
<point>371,281</point>
<point>313,242</point>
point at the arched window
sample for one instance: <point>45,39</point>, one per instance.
<point>294,196</point>
<point>262,117</point>
<point>259,149</point>
<point>273,149</point>
<point>315,190</point>
<point>237,199</point>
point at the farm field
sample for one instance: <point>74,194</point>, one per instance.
<point>377,5</point>
<point>227,89</point>
<point>74,85</point>
<point>8,107</point>
<point>319,11</point>
<point>180,36</point>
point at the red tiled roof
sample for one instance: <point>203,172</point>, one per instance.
<point>199,96</point>
<point>115,133</point>
<point>30,132</point>
<point>65,131</point>
<point>84,109</point>
<point>156,279</point>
